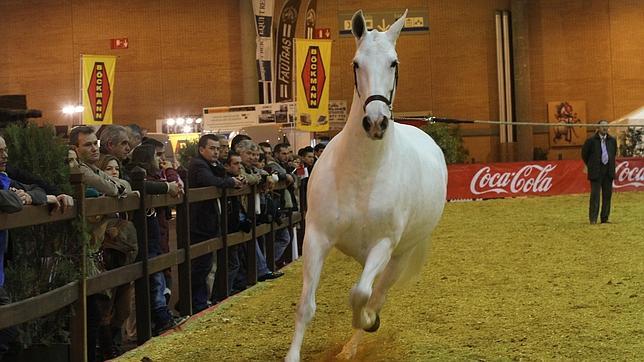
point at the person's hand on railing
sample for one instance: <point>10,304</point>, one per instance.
<point>240,181</point>
<point>23,195</point>
<point>174,189</point>
<point>61,202</point>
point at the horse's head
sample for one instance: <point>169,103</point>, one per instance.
<point>375,67</point>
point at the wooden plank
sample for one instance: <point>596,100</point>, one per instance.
<point>162,200</point>
<point>34,215</point>
<point>114,278</point>
<point>165,261</point>
<point>203,193</point>
<point>109,205</point>
<point>38,306</point>
<point>239,237</point>
<point>205,247</point>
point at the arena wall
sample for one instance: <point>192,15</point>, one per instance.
<point>184,55</point>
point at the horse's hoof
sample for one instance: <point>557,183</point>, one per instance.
<point>374,327</point>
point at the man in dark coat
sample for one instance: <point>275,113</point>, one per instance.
<point>205,170</point>
<point>599,153</point>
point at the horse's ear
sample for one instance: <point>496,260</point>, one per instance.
<point>394,30</point>
<point>358,25</point>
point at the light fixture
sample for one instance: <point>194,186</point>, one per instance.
<point>180,121</point>
<point>187,129</point>
<point>198,120</point>
<point>79,109</point>
<point>189,120</point>
<point>170,121</point>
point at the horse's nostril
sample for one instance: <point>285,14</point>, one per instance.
<point>366,124</point>
<point>384,123</point>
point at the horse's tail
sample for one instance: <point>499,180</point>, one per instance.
<point>417,256</point>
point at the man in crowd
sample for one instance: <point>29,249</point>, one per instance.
<point>13,196</point>
<point>599,153</point>
<point>249,153</point>
<point>83,140</point>
<point>204,170</point>
<point>279,165</point>
<point>318,149</point>
<point>115,141</point>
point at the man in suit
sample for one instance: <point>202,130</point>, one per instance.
<point>205,170</point>
<point>599,153</point>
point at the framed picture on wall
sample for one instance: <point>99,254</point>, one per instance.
<point>567,112</point>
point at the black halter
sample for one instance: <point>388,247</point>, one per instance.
<point>377,97</point>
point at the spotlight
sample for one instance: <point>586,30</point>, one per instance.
<point>180,121</point>
<point>198,120</point>
<point>170,121</point>
<point>187,129</point>
<point>68,109</point>
<point>79,109</point>
<point>189,120</point>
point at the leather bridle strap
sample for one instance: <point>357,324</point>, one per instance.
<point>377,97</point>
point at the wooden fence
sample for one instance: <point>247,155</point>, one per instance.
<point>75,293</point>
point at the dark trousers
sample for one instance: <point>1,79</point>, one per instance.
<point>603,185</point>
<point>8,334</point>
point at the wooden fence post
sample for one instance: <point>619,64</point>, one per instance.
<point>251,255</point>
<point>183,242</point>
<point>142,285</point>
<point>221,284</point>
<point>78,323</point>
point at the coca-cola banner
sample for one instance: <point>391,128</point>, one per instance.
<point>498,180</point>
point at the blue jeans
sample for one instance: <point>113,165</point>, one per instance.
<point>262,267</point>
<point>160,312</point>
<point>282,239</point>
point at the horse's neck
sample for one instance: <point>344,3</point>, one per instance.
<point>356,144</point>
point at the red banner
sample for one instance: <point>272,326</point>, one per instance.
<point>540,178</point>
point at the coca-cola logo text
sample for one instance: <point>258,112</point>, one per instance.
<point>528,179</point>
<point>627,176</point>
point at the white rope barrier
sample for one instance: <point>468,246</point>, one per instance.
<point>432,119</point>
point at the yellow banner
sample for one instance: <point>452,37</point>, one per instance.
<point>98,88</point>
<point>313,74</point>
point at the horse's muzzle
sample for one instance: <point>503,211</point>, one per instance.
<point>375,129</point>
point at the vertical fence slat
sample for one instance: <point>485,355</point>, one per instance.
<point>183,242</point>
<point>251,255</point>
<point>78,323</point>
<point>221,280</point>
<point>142,285</point>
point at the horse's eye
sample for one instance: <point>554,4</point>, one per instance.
<point>394,64</point>
<point>355,65</point>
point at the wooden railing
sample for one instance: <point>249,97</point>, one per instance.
<point>75,293</point>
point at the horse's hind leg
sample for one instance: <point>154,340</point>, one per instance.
<point>376,261</point>
<point>316,248</point>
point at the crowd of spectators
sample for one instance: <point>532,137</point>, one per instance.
<point>107,169</point>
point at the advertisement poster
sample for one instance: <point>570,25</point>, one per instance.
<point>313,75</point>
<point>263,11</point>
<point>97,88</point>
<point>231,118</point>
<point>567,112</point>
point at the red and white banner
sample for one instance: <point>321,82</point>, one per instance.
<point>540,178</point>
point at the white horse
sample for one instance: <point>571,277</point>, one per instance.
<point>376,193</point>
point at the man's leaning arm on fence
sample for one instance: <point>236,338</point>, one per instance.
<point>102,182</point>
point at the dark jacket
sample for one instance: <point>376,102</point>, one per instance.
<point>591,153</point>
<point>204,215</point>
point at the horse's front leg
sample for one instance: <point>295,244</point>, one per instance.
<point>387,278</point>
<point>376,262</point>
<point>316,247</point>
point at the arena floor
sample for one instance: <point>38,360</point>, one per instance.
<point>513,279</point>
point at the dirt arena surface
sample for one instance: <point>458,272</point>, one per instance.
<point>517,279</point>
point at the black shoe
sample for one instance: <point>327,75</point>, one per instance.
<point>593,222</point>
<point>171,323</point>
<point>270,275</point>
